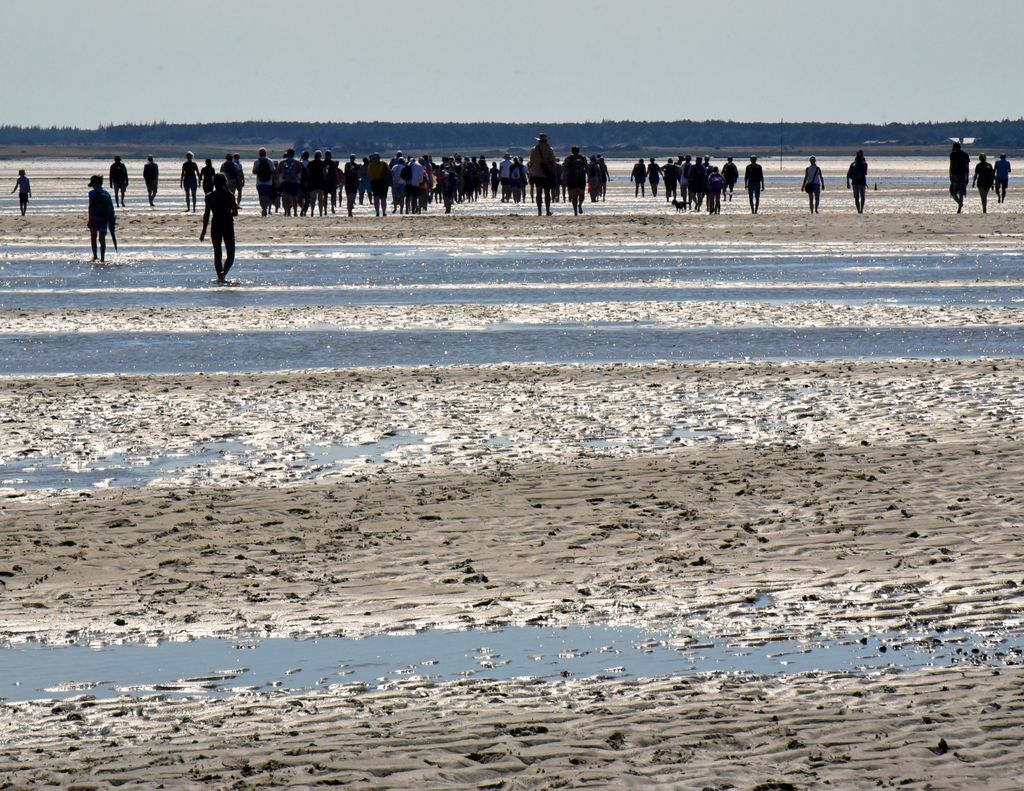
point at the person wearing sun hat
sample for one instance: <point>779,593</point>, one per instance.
<point>541,169</point>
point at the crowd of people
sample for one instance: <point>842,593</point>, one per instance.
<point>318,185</point>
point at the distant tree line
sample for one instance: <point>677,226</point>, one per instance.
<point>607,136</point>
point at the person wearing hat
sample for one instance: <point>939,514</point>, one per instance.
<point>1002,177</point>
<point>541,170</point>
<point>101,217</point>
<point>813,184</point>
<point>505,176</point>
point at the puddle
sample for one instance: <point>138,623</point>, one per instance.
<point>678,436</point>
<point>215,666</point>
<point>136,470</point>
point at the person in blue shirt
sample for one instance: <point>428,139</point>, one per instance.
<point>24,190</point>
<point>1002,177</point>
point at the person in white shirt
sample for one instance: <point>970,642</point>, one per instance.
<point>414,189</point>
<point>504,174</point>
<point>814,183</point>
<point>398,186</point>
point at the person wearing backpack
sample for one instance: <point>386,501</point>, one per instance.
<point>542,172</point>
<point>290,172</point>
<point>263,169</point>
<point>101,217</point>
<point>331,179</point>
<point>575,169</point>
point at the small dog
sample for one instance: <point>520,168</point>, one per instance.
<point>680,206</point>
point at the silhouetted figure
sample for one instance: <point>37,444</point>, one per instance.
<point>959,175</point>
<point>206,176</point>
<point>653,176</point>
<point>814,183</point>
<point>731,174</point>
<point>857,180</point>
<point>118,180</point>
<point>638,177</point>
<point>984,178</point>
<point>716,183</point>
<point>239,177</point>
<point>227,167</point>
<point>24,189</point>
<point>263,169</point>
<point>697,181</point>
<point>190,181</point>
<point>542,172</point>
<point>575,169</point>
<point>1002,177</point>
<point>330,180</point>
<point>352,178</point>
<point>670,171</point>
<point>753,180</point>
<point>101,217</point>
<point>222,207</point>
<point>151,175</point>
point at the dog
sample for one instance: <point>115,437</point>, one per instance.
<point>680,206</point>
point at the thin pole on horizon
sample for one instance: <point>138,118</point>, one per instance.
<point>782,122</point>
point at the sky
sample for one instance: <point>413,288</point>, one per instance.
<point>79,63</point>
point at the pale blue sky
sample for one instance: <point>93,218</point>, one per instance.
<point>75,62</point>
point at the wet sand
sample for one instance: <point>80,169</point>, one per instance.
<point>950,729</point>
<point>862,497</point>
<point>648,222</point>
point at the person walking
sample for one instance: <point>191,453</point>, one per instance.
<point>101,217</point>
<point>222,207</point>
<point>1002,177</point>
<point>653,176</point>
<point>24,189</point>
<point>190,181</point>
<point>206,176</point>
<point>753,180</point>
<point>379,175</point>
<point>638,177</point>
<point>984,178</point>
<point>814,183</point>
<point>290,173</point>
<point>331,180</point>
<point>670,170</point>
<point>857,180</point>
<point>731,174</point>
<point>263,169</point>
<point>118,181</point>
<point>542,172</point>
<point>351,178</point>
<point>227,167</point>
<point>959,175</point>
<point>151,175</point>
<point>239,177</point>
<point>575,169</point>
<point>716,183</point>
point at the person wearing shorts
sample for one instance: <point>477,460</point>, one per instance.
<point>542,171</point>
<point>959,175</point>
<point>1002,177</point>
<point>352,179</point>
<point>379,175</point>
<point>263,169</point>
<point>290,173</point>
<point>24,189</point>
